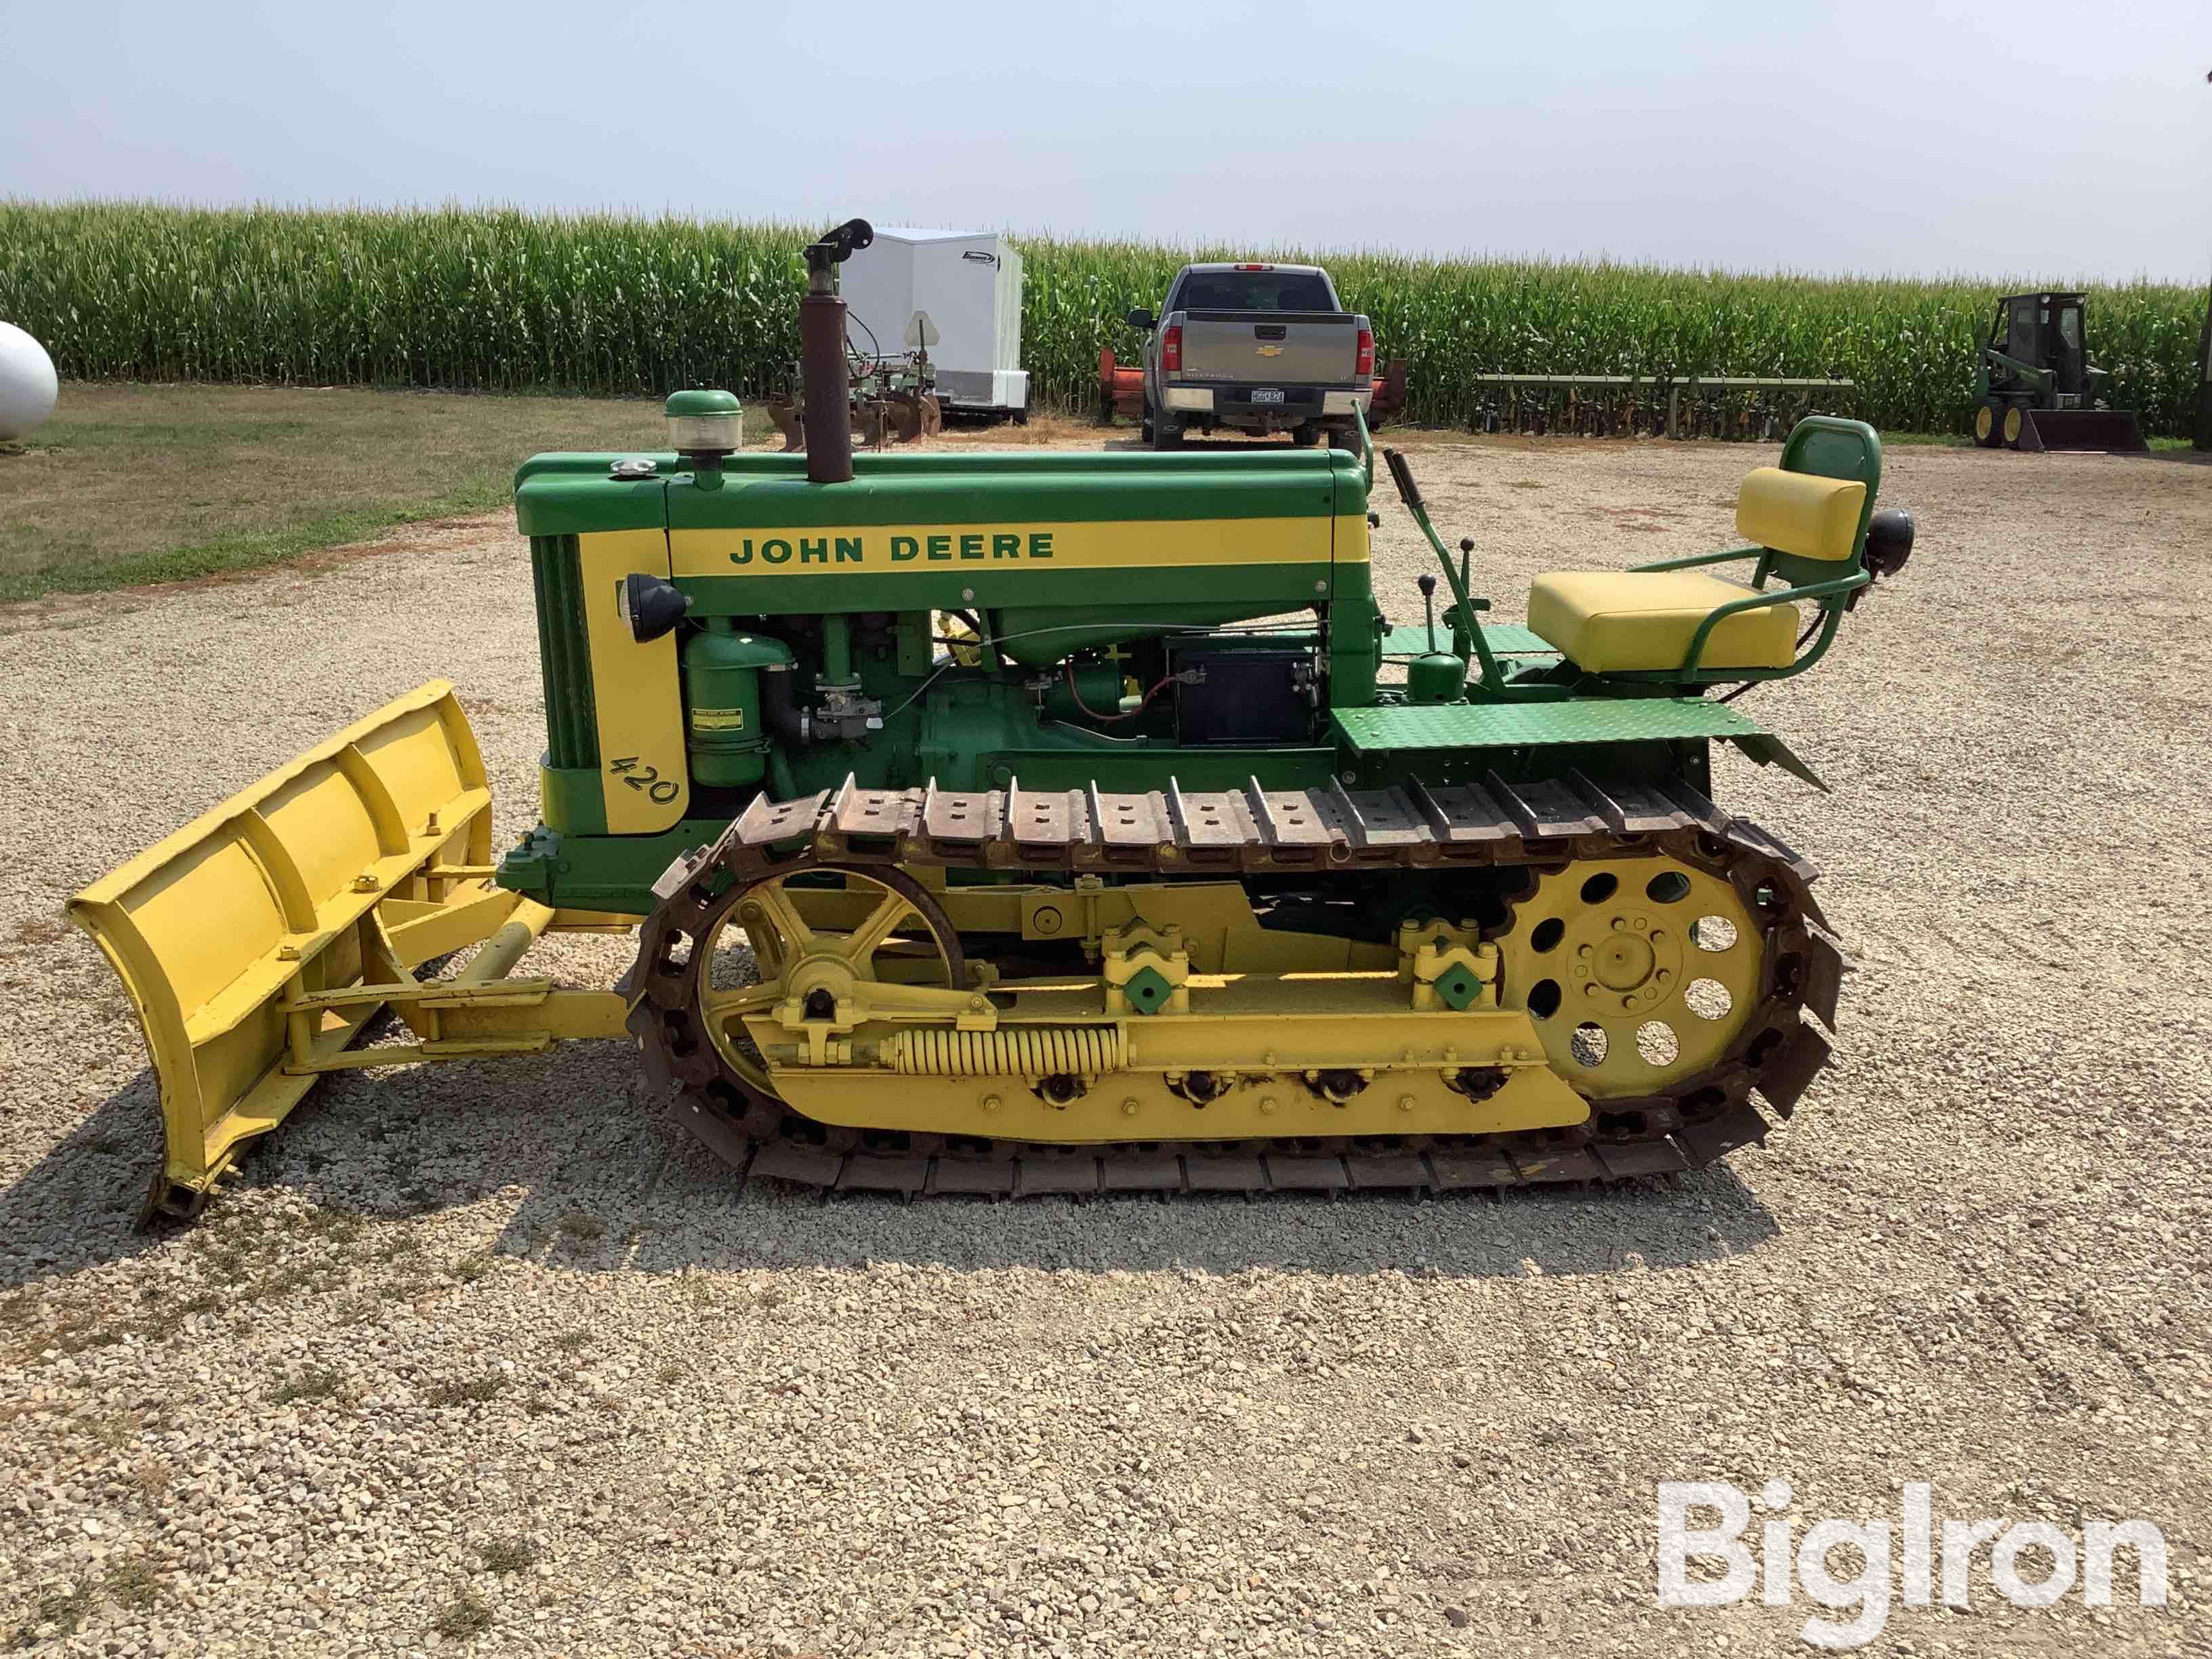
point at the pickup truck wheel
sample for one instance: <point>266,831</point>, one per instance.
<point>1145,424</point>
<point>1305,433</point>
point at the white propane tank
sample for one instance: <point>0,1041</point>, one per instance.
<point>28,384</point>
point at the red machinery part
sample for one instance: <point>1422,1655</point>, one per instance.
<point>1122,389</point>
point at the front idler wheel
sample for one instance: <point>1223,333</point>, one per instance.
<point>850,926</point>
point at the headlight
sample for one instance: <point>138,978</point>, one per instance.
<point>1888,542</point>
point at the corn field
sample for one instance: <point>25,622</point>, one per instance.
<point>510,302</point>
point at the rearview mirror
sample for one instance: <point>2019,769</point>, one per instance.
<point>1140,318</point>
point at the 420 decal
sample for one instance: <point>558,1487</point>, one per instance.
<point>657,789</point>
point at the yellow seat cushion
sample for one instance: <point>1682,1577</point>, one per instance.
<point>1631,620</point>
<point>1801,515</point>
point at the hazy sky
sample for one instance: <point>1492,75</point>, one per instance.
<point>2031,137</point>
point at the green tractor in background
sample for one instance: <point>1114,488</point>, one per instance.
<point>2036,387</point>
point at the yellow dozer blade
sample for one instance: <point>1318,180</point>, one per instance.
<point>256,942</point>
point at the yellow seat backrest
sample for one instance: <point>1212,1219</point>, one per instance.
<point>1800,514</point>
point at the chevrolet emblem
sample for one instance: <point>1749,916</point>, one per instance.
<point>1271,351</point>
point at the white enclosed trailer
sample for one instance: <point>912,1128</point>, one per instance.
<point>970,282</point>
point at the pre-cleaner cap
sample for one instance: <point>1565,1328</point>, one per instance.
<point>704,423</point>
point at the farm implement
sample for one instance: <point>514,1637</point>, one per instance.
<point>1729,408</point>
<point>888,398</point>
<point>1054,823</point>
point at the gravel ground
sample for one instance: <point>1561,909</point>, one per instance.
<point>494,1358</point>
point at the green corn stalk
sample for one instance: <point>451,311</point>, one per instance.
<point>502,300</point>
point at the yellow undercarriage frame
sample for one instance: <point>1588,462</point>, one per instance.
<point>257,943</point>
<point>1197,1024</point>
<point>1329,1054</point>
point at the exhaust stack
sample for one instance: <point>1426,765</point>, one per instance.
<point>825,390</point>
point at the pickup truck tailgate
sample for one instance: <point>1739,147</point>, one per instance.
<point>1300,348</point>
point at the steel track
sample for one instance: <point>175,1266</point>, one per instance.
<point>1173,832</point>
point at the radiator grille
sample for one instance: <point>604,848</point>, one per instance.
<point>564,659</point>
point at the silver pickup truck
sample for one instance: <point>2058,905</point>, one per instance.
<point>1261,348</point>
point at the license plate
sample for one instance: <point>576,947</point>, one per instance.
<point>1267,394</point>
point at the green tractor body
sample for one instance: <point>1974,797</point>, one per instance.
<point>1049,621</point>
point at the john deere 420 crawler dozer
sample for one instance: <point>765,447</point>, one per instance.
<point>1054,823</point>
